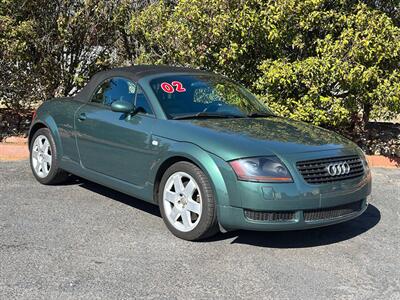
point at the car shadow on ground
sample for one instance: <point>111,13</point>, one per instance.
<point>273,239</point>
<point>115,195</point>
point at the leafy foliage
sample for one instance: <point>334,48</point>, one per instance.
<point>49,47</point>
<point>351,71</point>
<point>330,62</point>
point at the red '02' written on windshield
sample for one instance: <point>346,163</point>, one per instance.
<point>175,86</point>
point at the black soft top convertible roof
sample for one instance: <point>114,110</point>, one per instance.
<point>134,73</point>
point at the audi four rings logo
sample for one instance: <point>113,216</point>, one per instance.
<point>337,169</point>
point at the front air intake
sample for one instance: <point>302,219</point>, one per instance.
<point>271,216</point>
<point>332,212</point>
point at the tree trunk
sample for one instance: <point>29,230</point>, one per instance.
<point>366,113</point>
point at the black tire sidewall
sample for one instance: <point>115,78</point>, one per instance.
<point>54,169</point>
<point>207,223</point>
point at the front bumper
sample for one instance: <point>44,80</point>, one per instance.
<point>297,198</point>
<point>234,218</point>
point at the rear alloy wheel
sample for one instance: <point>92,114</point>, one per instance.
<point>187,202</point>
<point>43,158</point>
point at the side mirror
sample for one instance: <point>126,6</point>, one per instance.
<point>122,106</point>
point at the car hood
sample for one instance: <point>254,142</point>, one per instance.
<point>235,138</point>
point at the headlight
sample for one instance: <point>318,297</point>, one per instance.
<point>364,161</point>
<point>261,169</point>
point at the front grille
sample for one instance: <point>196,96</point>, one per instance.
<point>316,172</point>
<point>332,212</point>
<point>277,216</point>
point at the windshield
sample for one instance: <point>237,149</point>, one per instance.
<point>185,96</point>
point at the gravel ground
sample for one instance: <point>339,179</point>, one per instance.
<point>86,241</point>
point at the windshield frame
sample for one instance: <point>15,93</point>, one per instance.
<point>161,112</point>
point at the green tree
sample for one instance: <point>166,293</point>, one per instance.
<point>328,62</point>
<point>15,54</point>
<point>48,48</point>
<point>352,72</point>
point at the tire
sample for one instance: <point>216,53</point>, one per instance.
<point>43,159</point>
<point>182,186</point>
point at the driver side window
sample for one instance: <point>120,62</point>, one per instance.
<point>114,89</point>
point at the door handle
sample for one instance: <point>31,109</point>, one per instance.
<point>82,117</point>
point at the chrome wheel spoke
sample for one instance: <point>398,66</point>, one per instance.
<point>178,183</point>
<point>47,158</point>
<point>35,154</point>
<point>186,218</point>
<point>171,196</point>
<point>44,168</point>
<point>193,206</point>
<point>175,213</point>
<point>41,143</point>
<point>189,189</point>
<point>46,146</point>
<point>38,167</point>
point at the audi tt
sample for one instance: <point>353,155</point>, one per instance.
<point>202,148</point>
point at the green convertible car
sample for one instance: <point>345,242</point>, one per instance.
<point>202,148</point>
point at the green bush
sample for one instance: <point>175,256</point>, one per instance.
<point>50,47</point>
<point>334,63</point>
<point>350,71</point>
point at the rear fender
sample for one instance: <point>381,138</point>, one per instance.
<point>46,120</point>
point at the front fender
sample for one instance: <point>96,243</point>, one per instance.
<point>209,163</point>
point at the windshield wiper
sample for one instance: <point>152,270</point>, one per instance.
<point>260,115</point>
<point>206,115</point>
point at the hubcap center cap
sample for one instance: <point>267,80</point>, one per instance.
<point>182,201</point>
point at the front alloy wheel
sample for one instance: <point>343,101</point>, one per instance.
<point>187,202</point>
<point>182,201</point>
